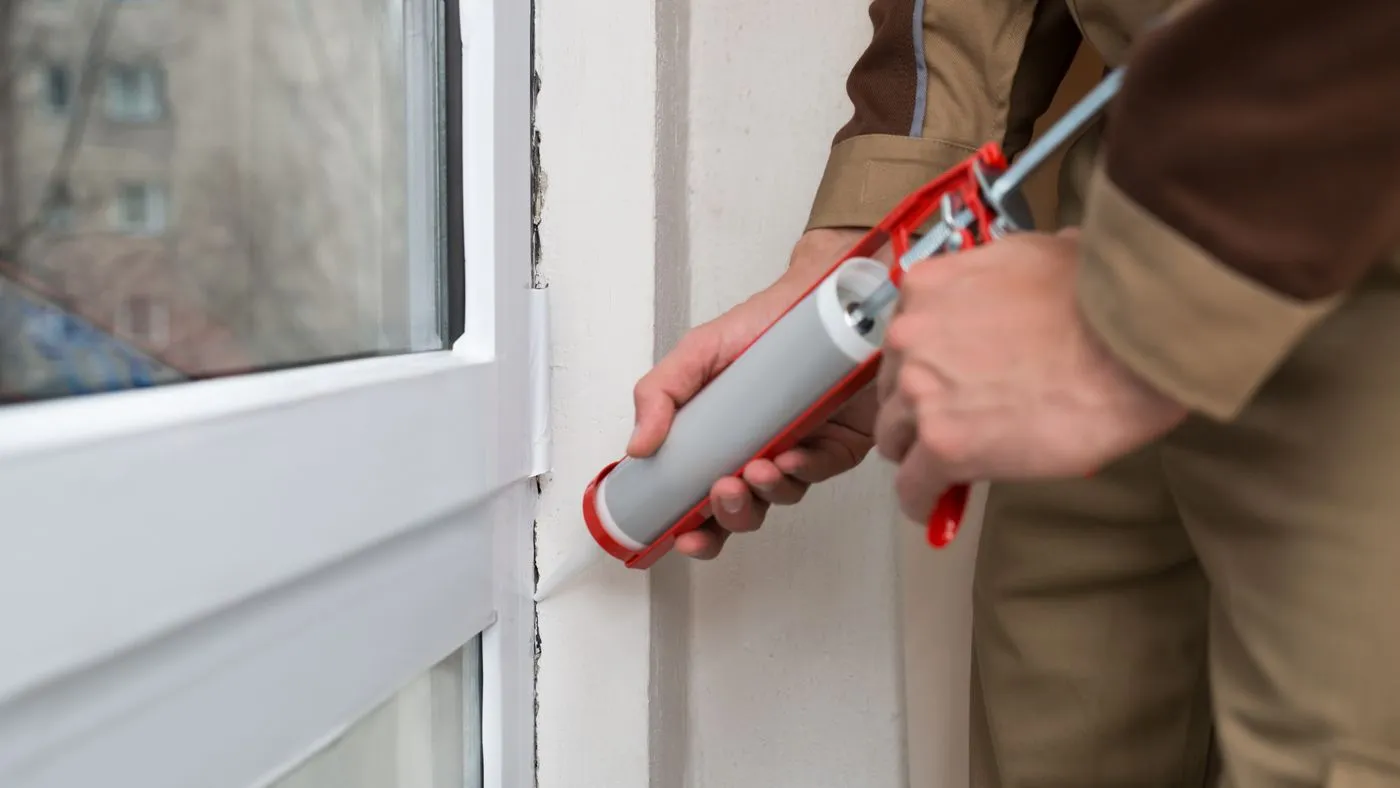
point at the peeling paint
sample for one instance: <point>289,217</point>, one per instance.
<point>538,180</point>
<point>536,281</point>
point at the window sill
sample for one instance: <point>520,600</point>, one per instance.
<point>247,482</point>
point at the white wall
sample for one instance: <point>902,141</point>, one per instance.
<point>682,144</point>
<point>596,116</point>
<point>794,643</point>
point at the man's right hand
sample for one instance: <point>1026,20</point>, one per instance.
<point>740,503</point>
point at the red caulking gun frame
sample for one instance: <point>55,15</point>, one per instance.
<point>820,352</point>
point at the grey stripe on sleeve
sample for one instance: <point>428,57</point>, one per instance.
<point>916,128</point>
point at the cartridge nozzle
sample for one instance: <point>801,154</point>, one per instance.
<point>576,561</point>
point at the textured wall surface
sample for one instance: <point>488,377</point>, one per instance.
<point>596,117</point>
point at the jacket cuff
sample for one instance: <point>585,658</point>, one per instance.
<point>868,175</point>
<point>1197,331</point>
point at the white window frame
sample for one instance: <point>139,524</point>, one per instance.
<point>201,583</point>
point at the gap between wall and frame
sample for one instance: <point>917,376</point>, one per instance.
<point>537,195</point>
<point>668,707</point>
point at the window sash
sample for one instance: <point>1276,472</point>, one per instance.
<point>237,700</point>
<point>255,481</point>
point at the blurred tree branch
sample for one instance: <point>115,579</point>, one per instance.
<point>94,56</point>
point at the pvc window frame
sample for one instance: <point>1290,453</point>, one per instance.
<point>200,583</point>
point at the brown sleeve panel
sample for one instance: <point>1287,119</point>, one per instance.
<point>1267,132</point>
<point>987,70</point>
<point>883,84</point>
<point>1051,44</point>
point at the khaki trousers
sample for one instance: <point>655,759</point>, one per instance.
<point>1222,608</point>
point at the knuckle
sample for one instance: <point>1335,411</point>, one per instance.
<point>726,521</point>
<point>909,497</point>
<point>911,382</point>
<point>894,445</point>
<point>646,387</point>
<point>737,523</point>
<point>883,383</point>
<point>886,450</point>
<point>920,279</point>
<point>690,342</point>
<point>691,351</point>
<point>904,491</point>
<point>740,525</point>
<point>809,472</point>
<point>792,493</point>
<point>898,335</point>
<point>918,276</point>
<point>945,442</point>
<point>847,454</point>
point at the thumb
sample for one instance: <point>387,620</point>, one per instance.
<point>919,482</point>
<point>653,411</point>
<point>669,385</point>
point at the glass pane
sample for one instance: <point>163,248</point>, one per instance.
<point>197,188</point>
<point>422,737</point>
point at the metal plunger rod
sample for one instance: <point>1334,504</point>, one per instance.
<point>1078,116</point>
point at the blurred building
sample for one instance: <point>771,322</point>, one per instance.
<point>216,185</point>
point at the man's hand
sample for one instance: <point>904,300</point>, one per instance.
<point>990,373</point>
<point>740,503</point>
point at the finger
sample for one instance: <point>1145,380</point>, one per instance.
<point>772,485</point>
<point>918,483</point>
<point>904,339</point>
<point>735,507</point>
<point>888,373</point>
<point>704,543</point>
<point>670,384</point>
<point>820,457</point>
<point>654,412</point>
<point>896,429</point>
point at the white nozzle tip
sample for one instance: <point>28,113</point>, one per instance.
<point>578,559</point>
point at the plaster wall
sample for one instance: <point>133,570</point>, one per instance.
<point>596,119</point>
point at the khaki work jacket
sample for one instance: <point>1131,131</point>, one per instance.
<point>1246,177</point>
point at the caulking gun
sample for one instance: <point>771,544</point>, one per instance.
<point>809,362</point>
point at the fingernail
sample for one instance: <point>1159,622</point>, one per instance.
<point>731,503</point>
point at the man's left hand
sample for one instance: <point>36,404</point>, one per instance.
<point>990,373</point>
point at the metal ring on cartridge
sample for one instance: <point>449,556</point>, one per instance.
<point>634,507</point>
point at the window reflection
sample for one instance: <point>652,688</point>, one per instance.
<point>194,188</point>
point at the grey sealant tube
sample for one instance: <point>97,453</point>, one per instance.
<point>786,371</point>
